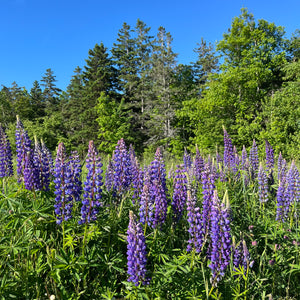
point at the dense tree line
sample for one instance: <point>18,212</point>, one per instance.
<point>249,82</point>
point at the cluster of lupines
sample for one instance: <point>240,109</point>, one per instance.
<point>180,193</point>
<point>23,149</point>
<point>92,186</point>
<point>63,186</point>
<point>136,252</point>
<point>6,166</point>
<point>288,193</point>
<point>220,248</point>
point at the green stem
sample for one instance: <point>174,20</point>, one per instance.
<point>63,230</point>
<point>84,239</point>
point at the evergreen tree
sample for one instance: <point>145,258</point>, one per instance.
<point>37,101</point>
<point>51,92</point>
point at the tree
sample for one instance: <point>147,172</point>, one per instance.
<point>51,92</point>
<point>37,101</point>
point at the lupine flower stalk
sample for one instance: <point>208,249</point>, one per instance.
<point>23,146</point>
<point>74,166</point>
<point>180,193</point>
<point>63,189</point>
<point>195,222</point>
<point>269,158</point>
<point>92,186</point>
<point>198,165</point>
<point>6,165</point>
<point>228,150</point>
<point>280,200</point>
<point>220,249</point>
<point>136,252</point>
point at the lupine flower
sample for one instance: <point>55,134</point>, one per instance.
<point>42,167</point>
<point>180,193</point>
<point>29,172</point>
<point>262,184</point>
<point>122,168</point>
<point>136,252</point>
<point>228,150</point>
<point>253,160</point>
<point>208,186</point>
<point>195,222</point>
<point>137,176</point>
<point>220,249</point>
<point>158,189</point>
<point>6,166</point>
<point>92,186</point>
<point>241,257</point>
<point>187,160</point>
<point>146,201</point>
<point>23,146</point>
<point>74,165</point>
<point>280,199</point>
<point>198,165</point>
<point>48,159</point>
<point>63,189</point>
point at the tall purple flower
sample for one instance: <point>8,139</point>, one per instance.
<point>220,250</point>
<point>122,168</point>
<point>6,166</point>
<point>137,175</point>
<point>109,175</point>
<point>146,201</point>
<point>29,172</point>
<point>208,186</point>
<point>280,201</point>
<point>42,167</point>
<point>180,193</point>
<point>262,184</point>
<point>241,256</point>
<point>253,160</point>
<point>281,167</point>
<point>136,252</point>
<point>23,146</point>
<point>158,189</point>
<point>187,160</point>
<point>195,222</point>
<point>63,188</point>
<point>92,186</point>
<point>198,165</point>
<point>47,156</point>
<point>228,150</point>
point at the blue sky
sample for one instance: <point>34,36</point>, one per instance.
<point>57,34</point>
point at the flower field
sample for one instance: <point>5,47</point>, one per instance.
<point>223,226</point>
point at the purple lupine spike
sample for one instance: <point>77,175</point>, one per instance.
<point>195,222</point>
<point>244,159</point>
<point>158,191</point>
<point>228,150</point>
<point>253,160</point>
<point>269,158</point>
<point>29,172</point>
<point>137,176</point>
<point>187,160</point>
<point>208,186</point>
<point>42,167</point>
<point>237,255</point>
<point>92,186</point>
<point>63,188</point>
<point>291,192</point>
<point>180,193</point>
<point>146,201</point>
<point>246,257</point>
<point>280,199</point>
<point>220,250</point>
<point>74,165</point>
<point>281,167</point>
<point>23,146</point>
<point>47,157</point>
<point>136,252</point>
<point>262,184</point>
<point>6,165</point>
<point>198,165</point>
<point>241,257</point>
<point>122,168</point>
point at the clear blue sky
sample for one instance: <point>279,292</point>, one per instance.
<point>57,34</point>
